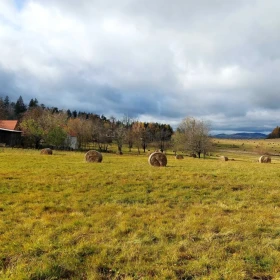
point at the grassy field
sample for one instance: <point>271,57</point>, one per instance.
<point>63,218</point>
<point>242,146</point>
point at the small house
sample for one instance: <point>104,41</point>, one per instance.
<point>9,135</point>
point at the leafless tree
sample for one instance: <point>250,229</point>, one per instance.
<point>81,128</point>
<point>193,135</point>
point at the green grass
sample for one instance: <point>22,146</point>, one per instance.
<point>62,218</point>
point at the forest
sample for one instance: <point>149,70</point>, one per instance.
<point>50,126</point>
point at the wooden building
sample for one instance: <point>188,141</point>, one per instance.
<point>9,135</point>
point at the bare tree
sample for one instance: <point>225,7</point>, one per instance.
<point>82,128</point>
<point>193,135</point>
<point>120,135</point>
<point>129,137</point>
<point>140,135</point>
<point>102,133</point>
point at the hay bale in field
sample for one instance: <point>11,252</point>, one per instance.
<point>265,159</point>
<point>179,157</point>
<point>223,158</point>
<point>46,151</point>
<point>193,155</point>
<point>157,159</point>
<point>155,151</point>
<point>93,156</point>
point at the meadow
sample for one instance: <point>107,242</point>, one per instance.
<point>63,218</point>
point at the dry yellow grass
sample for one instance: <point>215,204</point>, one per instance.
<point>123,219</point>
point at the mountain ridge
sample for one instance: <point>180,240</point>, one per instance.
<point>241,135</point>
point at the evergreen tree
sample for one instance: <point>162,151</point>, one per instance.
<point>2,110</point>
<point>33,103</point>
<point>9,108</point>
<point>20,107</point>
<point>69,114</point>
<point>74,114</point>
<point>55,110</point>
<point>7,102</point>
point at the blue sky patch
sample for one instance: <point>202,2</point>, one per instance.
<point>19,4</point>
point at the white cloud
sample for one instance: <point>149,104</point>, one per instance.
<point>154,60</point>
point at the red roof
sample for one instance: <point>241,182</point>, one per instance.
<point>72,134</point>
<point>11,125</point>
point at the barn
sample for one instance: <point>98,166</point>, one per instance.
<point>9,136</point>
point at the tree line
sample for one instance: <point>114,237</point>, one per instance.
<point>51,126</point>
<point>275,133</point>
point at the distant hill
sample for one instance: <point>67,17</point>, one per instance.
<point>241,136</point>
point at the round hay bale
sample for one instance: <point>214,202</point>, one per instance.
<point>223,158</point>
<point>157,159</point>
<point>155,151</point>
<point>179,157</point>
<point>193,155</point>
<point>46,151</point>
<point>265,159</point>
<point>93,156</point>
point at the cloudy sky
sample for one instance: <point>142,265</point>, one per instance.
<point>152,60</point>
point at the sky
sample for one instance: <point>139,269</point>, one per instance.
<point>150,60</point>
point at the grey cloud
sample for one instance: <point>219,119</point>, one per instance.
<point>8,83</point>
<point>267,98</point>
<point>216,60</point>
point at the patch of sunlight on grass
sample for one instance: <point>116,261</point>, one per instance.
<point>63,218</point>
